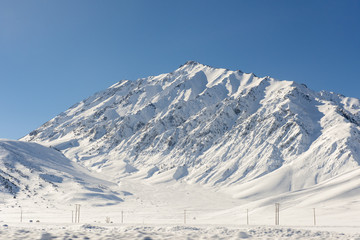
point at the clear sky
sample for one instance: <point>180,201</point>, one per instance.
<point>54,53</point>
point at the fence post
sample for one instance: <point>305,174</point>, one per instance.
<point>314,216</point>
<point>72,216</point>
<point>122,216</point>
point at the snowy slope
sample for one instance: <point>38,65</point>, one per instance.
<point>37,176</point>
<point>213,127</point>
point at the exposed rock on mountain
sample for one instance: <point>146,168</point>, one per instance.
<point>210,126</point>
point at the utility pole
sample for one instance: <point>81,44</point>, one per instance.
<point>21,213</point>
<point>247,216</point>
<point>277,213</point>
<point>77,213</point>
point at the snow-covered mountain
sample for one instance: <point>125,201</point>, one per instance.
<point>34,175</point>
<point>213,127</point>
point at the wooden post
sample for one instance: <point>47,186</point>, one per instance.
<point>247,216</point>
<point>314,217</point>
<point>122,216</point>
<point>72,216</point>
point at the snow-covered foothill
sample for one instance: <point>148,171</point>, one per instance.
<point>34,176</point>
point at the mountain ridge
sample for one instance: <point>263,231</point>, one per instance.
<point>210,126</point>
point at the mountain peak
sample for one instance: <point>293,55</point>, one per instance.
<point>190,63</point>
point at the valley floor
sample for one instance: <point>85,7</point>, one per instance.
<point>179,211</point>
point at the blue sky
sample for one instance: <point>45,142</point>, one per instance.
<point>56,53</point>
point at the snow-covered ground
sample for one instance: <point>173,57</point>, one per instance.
<point>148,232</point>
<point>178,211</point>
<point>196,153</point>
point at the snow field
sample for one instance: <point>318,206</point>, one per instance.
<point>148,232</point>
<point>333,217</point>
